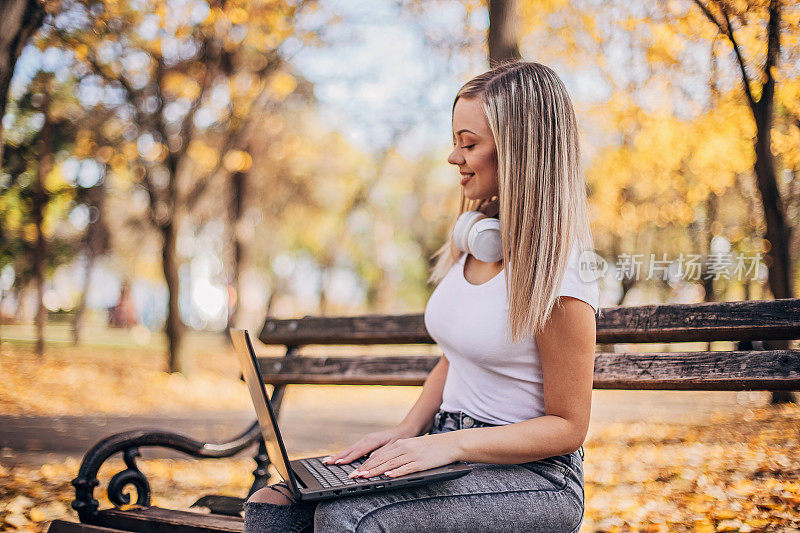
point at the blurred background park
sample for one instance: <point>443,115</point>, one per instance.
<point>172,168</point>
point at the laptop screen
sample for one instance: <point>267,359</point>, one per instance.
<point>266,419</point>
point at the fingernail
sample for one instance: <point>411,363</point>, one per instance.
<point>337,461</point>
<point>353,474</point>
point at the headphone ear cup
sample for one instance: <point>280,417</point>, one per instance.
<point>485,240</point>
<point>463,228</point>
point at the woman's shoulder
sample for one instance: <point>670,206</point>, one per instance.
<point>579,280</point>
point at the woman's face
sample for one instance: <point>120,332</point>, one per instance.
<point>474,151</point>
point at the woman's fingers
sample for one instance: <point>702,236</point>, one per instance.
<point>407,468</point>
<point>381,467</point>
<point>333,457</point>
<point>353,452</point>
<point>365,445</point>
<point>346,456</point>
<point>381,457</point>
<point>351,455</point>
<point>342,454</point>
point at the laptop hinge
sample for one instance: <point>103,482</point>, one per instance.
<point>298,480</point>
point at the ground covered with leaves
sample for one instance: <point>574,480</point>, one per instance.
<point>732,474</point>
<point>117,377</point>
<point>740,472</point>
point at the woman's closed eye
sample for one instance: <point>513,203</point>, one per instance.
<point>467,147</point>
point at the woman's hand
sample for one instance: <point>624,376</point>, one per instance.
<point>368,443</point>
<point>405,456</point>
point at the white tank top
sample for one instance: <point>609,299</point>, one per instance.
<point>489,379</point>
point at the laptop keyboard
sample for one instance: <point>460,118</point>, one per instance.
<point>336,475</point>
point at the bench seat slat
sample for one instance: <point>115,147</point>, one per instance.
<point>734,370</point>
<point>704,322</point>
<point>64,526</point>
<point>710,321</point>
<point>359,370</point>
<point>157,519</point>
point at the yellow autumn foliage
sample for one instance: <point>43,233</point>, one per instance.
<point>282,84</point>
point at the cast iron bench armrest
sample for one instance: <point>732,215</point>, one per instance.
<point>129,442</point>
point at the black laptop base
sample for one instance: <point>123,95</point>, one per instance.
<point>312,480</point>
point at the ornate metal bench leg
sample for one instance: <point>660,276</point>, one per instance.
<point>261,473</point>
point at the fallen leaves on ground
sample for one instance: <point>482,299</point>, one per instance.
<point>86,380</point>
<point>93,380</point>
<point>31,495</point>
<point>730,474</point>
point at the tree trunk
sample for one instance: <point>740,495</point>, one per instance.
<point>708,279</point>
<point>80,309</point>
<point>270,301</point>
<point>778,231</point>
<point>39,257</point>
<point>240,239</point>
<point>96,244</point>
<point>2,295</point>
<point>174,327</point>
<point>323,303</point>
<point>503,35</point>
<point>19,19</point>
<point>40,198</point>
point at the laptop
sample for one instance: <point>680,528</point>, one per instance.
<point>310,478</point>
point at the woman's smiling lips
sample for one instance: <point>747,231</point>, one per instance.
<point>466,177</point>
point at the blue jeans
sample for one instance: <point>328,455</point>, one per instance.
<point>545,495</point>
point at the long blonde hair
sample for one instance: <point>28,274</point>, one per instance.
<point>543,205</point>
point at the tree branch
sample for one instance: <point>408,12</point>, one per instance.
<point>187,124</point>
<point>773,51</point>
<point>152,198</point>
<point>100,69</point>
<point>239,137</point>
<point>725,27</point>
<point>739,57</point>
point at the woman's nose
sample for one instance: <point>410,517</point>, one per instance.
<point>455,157</point>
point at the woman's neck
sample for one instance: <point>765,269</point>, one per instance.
<point>491,208</point>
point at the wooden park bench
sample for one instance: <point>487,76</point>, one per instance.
<point>740,369</point>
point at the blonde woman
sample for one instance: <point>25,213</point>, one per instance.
<point>511,395</point>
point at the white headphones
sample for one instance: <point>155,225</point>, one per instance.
<point>479,235</point>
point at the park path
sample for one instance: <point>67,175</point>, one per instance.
<point>309,426</point>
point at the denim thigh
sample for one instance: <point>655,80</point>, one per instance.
<point>545,495</point>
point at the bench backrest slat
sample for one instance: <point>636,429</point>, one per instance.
<point>736,370</point>
<point>712,321</point>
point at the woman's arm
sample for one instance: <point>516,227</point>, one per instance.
<point>418,420</point>
<point>566,347</point>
